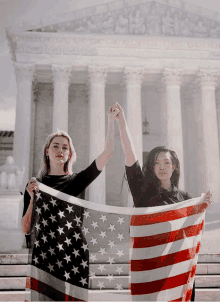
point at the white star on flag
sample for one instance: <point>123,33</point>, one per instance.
<point>69,224</point>
<point>60,230</point>
<point>101,267</point>
<point>51,251</point>
<point>38,210</point>
<point>36,243</point>
<point>76,236</point>
<point>101,285</point>
<point>61,214</point>
<point>50,267</point>
<point>94,241</point>
<point>52,218</point>
<point>83,281</point>
<point>84,264</point>
<point>84,247</point>
<point>75,270</point>
<point>44,238</point>
<point>94,224</point>
<point>70,209</point>
<point>85,230</point>
<point>121,220</point>
<point>67,275</point>
<point>67,258</point>
<point>120,253</point>
<point>119,270</point>
<point>75,252</point>
<point>119,287</point>
<point>68,241</point>
<point>44,222</point>
<point>112,227</point>
<point>103,234</point>
<point>38,195</point>
<point>43,255</point>
<point>92,274</point>
<point>120,236</point>
<point>53,201</point>
<point>86,214</point>
<point>93,257</point>
<point>111,260</point>
<point>78,220</point>
<point>102,251</point>
<point>35,260</point>
<point>110,278</point>
<point>111,243</point>
<point>59,263</point>
<point>37,226</point>
<point>60,246</point>
<point>45,206</point>
<point>52,234</point>
<point>103,218</point>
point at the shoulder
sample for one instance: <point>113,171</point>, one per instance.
<point>185,194</point>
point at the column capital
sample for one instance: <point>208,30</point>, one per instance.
<point>24,72</point>
<point>207,78</point>
<point>172,76</point>
<point>61,73</point>
<point>97,74</point>
<point>133,75</point>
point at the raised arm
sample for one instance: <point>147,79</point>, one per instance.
<point>104,157</point>
<point>126,139</point>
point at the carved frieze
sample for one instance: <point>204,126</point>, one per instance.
<point>151,18</point>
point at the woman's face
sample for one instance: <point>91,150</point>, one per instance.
<point>58,150</point>
<point>163,166</point>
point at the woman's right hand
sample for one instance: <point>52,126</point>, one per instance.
<point>32,187</point>
<point>121,114</point>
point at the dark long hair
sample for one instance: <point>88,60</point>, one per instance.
<point>152,183</point>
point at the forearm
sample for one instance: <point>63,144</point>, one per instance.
<point>26,219</point>
<point>127,143</point>
<point>104,157</point>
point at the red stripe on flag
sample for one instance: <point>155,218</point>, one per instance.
<point>159,285</point>
<point>162,261</point>
<point>142,242</point>
<point>49,291</point>
<point>167,216</point>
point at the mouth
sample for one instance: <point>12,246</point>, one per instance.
<point>60,156</point>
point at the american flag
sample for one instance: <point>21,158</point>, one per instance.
<point>68,233</point>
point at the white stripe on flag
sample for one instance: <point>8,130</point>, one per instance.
<point>164,249</point>
<point>162,272</point>
<point>164,227</point>
<point>63,287</point>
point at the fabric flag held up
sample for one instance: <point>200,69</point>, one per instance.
<point>65,230</point>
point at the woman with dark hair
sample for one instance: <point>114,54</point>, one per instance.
<point>157,183</point>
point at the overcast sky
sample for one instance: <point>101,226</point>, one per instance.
<point>17,11</point>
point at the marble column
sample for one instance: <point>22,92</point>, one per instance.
<point>133,79</point>
<point>97,80</point>
<point>171,78</point>
<point>22,135</point>
<point>218,115</point>
<point>208,119</point>
<point>61,75</point>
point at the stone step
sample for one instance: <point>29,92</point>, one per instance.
<point>13,270</point>
<point>21,257</point>
<point>12,283</point>
<point>204,294</point>
<point>208,269</point>
<point>208,281</point>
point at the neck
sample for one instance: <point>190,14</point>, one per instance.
<point>57,170</point>
<point>166,185</point>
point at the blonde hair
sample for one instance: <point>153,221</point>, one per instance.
<point>45,162</point>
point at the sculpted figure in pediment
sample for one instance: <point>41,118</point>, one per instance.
<point>153,22</point>
<point>89,28</point>
<point>167,24</point>
<point>108,25</point>
<point>200,30</point>
<point>137,24</point>
<point>122,25</point>
<point>215,31</point>
<point>185,27</point>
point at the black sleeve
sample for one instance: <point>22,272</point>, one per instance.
<point>85,178</point>
<point>136,181</point>
<point>27,199</point>
<point>185,195</point>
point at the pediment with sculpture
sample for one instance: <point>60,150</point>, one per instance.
<point>151,19</point>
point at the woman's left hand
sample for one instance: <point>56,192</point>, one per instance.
<point>112,112</point>
<point>208,198</point>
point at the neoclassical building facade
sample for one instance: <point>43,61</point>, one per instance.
<point>159,59</point>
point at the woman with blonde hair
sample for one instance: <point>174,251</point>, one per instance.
<point>56,172</point>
